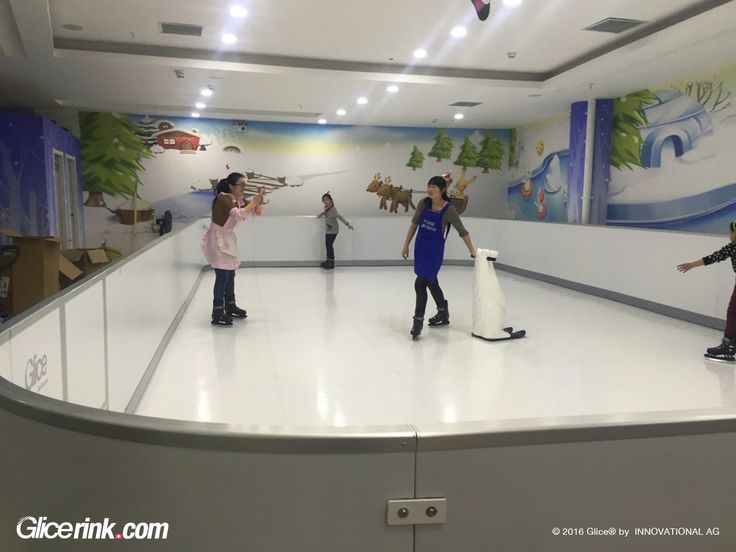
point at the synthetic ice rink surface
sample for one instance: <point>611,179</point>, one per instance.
<point>332,348</point>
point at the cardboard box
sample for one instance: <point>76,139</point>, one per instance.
<point>35,276</point>
<point>86,260</point>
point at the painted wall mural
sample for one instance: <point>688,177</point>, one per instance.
<point>154,163</point>
<point>671,165</point>
<point>29,148</point>
<point>672,149</point>
<point>539,160</point>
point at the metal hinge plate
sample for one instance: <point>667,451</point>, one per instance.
<point>417,511</point>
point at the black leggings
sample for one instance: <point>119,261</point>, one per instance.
<point>420,286</point>
<point>329,240</point>
<point>224,285</point>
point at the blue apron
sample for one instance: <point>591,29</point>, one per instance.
<point>429,249</point>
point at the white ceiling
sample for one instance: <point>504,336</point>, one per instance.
<point>298,60</point>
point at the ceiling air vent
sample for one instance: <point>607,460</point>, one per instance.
<point>614,25</point>
<point>181,29</point>
<point>465,104</point>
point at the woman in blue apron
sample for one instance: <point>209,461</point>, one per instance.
<point>432,217</point>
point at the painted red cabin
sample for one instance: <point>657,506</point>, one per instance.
<point>177,139</point>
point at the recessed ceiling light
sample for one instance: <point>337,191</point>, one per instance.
<point>200,105</point>
<point>420,53</point>
<point>341,112</point>
<point>229,38</point>
<point>362,100</point>
<point>392,88</point>
<point>206,92</point>
<point>459,32</point>
<point>459,116</point>
<point>322,121</point>
<point>238,11</point>
<point>73,27</point>
<point>195,114</point>
<point>512,3</point>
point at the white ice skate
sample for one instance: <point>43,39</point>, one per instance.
<point>489,304</point>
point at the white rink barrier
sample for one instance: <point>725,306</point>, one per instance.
<point>71,455</point>
<point>92,344</point>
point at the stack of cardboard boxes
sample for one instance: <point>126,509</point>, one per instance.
<point>42,269</point>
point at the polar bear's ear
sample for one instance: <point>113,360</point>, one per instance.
<point>493,253</point>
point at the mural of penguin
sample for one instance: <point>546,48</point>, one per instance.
<point>489,304</point>
<point>541,205</point>
<point>526,186</point>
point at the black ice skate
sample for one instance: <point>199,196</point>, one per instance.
<point>234,311</point>
<point>220,317</point>
<point>416,328</point>
<point>724,352</point>
<point>442,318</point>
<point>329,264</point>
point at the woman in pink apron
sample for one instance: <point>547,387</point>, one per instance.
<point>220,245</point>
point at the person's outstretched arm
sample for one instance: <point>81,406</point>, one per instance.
<point>346,223</point>
<point>684,267</point>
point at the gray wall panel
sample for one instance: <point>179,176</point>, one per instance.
<point>511,498</point>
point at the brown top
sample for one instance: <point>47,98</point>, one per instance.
<point>451,216</point>
<point>221,209</point>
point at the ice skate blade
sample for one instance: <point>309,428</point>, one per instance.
<point>436,325</point>
<point>717,359</point>
<point>512,335</point>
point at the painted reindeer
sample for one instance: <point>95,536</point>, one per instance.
<point>462,184</point>
<point>399,196</point>
<point>375,187</point>
<point>374,184</point>
<point>385,192</point>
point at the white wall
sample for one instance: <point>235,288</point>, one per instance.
<point>85,347</point>
<point>639,263</point>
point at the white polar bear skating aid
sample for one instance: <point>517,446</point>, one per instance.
<point>489,304</point>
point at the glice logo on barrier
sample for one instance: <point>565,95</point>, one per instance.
<point>30,527</point>
<point>36,370</point>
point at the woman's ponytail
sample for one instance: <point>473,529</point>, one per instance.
<point>223,186</point>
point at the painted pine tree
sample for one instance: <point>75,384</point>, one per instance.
<point>513,161</point>
<point>468,156</point>
<point>491,153</point>
<point>628,118</point>
<point>112,153</point>
<point>416,159</point>
<point>442,148</point>
<point>147,127</point>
